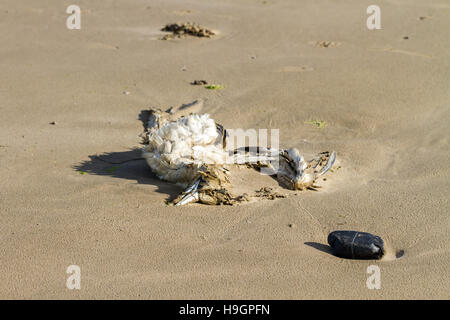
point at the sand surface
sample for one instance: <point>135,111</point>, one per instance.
<point>385,100</point>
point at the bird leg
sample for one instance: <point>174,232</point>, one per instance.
<point>210,187</point>
<point>189,195</point>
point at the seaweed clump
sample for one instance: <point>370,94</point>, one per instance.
<point>186,29</point>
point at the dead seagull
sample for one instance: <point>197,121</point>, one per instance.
<point>188,148</point>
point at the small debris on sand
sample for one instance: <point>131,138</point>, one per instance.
<point>268,193</point>
<point>186,29</point>
<point>199,82</point>
<point>335,169</point>
<point>326,44</point>
<point>53,123</point>
<point>296,69</point>
<point>318,123</point>
<point>215,87</point>
<point>243,197</point>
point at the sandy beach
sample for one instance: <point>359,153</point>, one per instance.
<point>73,190</point>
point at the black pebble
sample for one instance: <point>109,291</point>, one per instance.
<point>356,245</point>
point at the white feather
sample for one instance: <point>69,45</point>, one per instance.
<point>179,148</point>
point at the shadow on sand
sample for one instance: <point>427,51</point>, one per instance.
<point>127,165</point>
<point>321,247</point>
